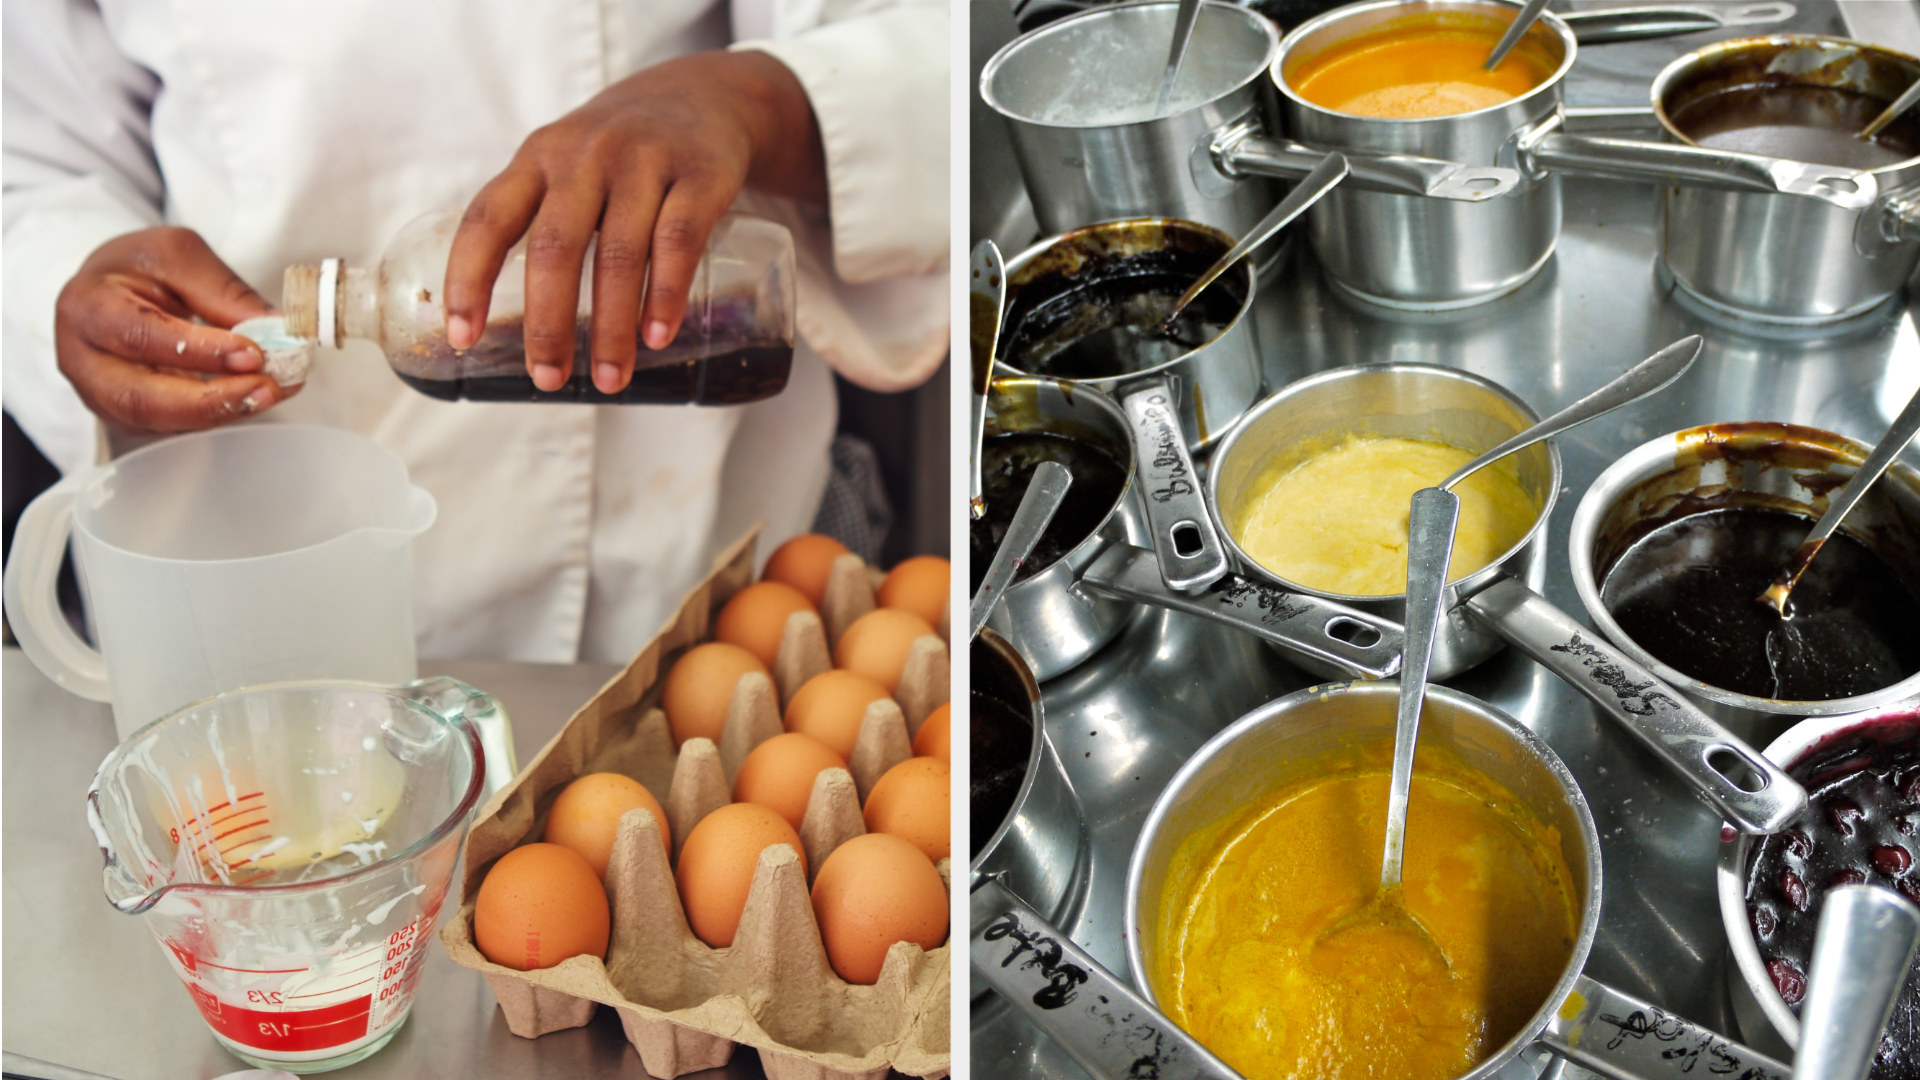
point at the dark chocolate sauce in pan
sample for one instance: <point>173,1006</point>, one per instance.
<point>1110,323</point>
<point>1687,593</point>
<point>1007,462</point>
<point>1862,827</point>
<point>1801,123</point>
<point>1001,740</point>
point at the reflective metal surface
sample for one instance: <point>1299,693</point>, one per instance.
<point>1125,720</point>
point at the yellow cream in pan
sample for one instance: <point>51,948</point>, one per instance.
<point>1244,962</point>
<point>1337,521</point>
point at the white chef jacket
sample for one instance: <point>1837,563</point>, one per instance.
<point>287,133</point>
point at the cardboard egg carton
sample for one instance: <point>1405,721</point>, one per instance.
<point>683,1004</point>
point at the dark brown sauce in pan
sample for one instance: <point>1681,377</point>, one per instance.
<point>1007,462</point>
<point>1108,321</point>
<point>1687,593</point>
<point>1001,739</point>
<point>1801,123</point>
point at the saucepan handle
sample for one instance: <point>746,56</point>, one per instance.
<point>1366,645</point>
<point>1550,149</point>
<point>1688,740</point>
<point>1639,23</point>
<point>1184,539</point>
<point>1094,1015</point>
<point>1242,150</point>
<point>1616,1034</point>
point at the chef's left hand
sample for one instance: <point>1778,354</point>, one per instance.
<point>651,162</point>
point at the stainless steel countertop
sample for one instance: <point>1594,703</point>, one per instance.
<point>88,987</point>
<point>1125,721</point>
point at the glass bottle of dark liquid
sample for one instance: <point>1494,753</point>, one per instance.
<point>735,344</point>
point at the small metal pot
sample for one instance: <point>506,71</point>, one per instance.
<point>1775,257</point>
<point>1216,383</point>
<point>1433,254</point>
<point>1069,610</point>
<point>1040,847</point>
<point>1764,1018</point>
<point>1582,1020</point>
<point>1776,466</point>
<point>1417,401</point>
<point>1087,163</point>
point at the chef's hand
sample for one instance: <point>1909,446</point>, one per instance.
<point>124,333</point>
<point>651,162</point>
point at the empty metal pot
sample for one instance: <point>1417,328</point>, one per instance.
<point>1777,257</point>
<point>1582,1020</point>
<point>1774,466</point>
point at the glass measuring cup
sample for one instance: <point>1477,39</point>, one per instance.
<point>290,846</point>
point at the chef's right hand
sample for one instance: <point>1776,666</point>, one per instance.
<point>126,338</point>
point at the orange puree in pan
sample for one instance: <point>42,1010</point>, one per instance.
<point>1244,966</point>
<point>1407,74</point>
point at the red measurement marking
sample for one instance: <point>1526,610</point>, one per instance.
<point>203,844</point>
<point>243,798</point>
<point>255,971</point>
<point>229,849</point>
<point>324,993</point>
<point>236,813</point>
<point>287,1031</point>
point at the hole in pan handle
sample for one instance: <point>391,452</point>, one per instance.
<point>1366,646</point>
<point>1757,798</point>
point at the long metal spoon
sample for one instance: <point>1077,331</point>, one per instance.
<point>1897,437</point>
<point>1892,112</point>
<point>1862,952</point>
<point>1523,22</point>
<point>1030,519</point>
<point>986,298</point>
<point>1182,33</point>
<point>1324,178</point>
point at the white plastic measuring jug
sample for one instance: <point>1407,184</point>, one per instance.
<point>249,555</point>
<point>290,846</point>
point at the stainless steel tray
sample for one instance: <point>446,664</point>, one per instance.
<point>1124,721</point>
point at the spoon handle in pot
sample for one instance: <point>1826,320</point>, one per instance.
<point>1324,178</point>
<point>1321,629</point>
<point>1862,952</point>
<point>1108,1028</point>
<point>1042,500</point>
<point>1618,1035</point>
<point>1431,521</point>
<point>1184,539</point>
<point>1758,798</point>
<point>1639,23</point>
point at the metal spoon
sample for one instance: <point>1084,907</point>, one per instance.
<point>1324,178</point>
<point>1182,33</point>
<point>1030,519</point>
<point>1892,112</point>
<point>1529,15</point>
<point>986,299</point>
<point>1897,437</point>
<point>1862,952</point>
<point>1653,373</point>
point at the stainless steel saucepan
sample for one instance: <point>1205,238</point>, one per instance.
<point>1116,1030</point>
<point>1066,611</point>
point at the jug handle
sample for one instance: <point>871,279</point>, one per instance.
<point>480,711</point>
<point>32,599</point>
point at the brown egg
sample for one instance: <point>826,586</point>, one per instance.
<point>540,904</point>
<point>779,774</point>
<point>586,817</point>
<point>914,801</point>
<point>877,643</point>
<point>935,737</point>
<point>805,562</point>
<point>830,706</point>
<point>699,689</point>
<point>873,891</point>
<point>717,862</point>
<point>919,585</point>
<point>756,617</point>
